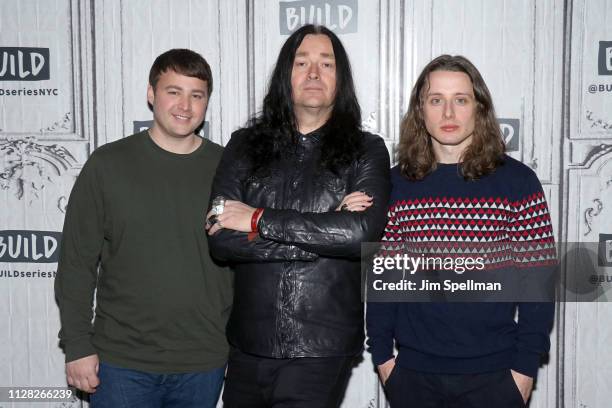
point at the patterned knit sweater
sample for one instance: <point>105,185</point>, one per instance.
<point>506,208</point>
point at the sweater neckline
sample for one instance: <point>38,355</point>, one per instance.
<point>177,156</point>
<point>448,166</point>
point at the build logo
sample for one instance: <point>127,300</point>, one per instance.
<point>29,246</point>
<point>510,131</point>
<point>605,58</point>
<point>140,125</point>
<point>604,251</point>
<point>24,64</point>
<point>339,16</point>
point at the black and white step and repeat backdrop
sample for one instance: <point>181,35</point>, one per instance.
<point>73,76</point>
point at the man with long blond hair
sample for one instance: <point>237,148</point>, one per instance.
<point>455,185</point>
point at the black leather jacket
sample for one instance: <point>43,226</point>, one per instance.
<point>298,285</point>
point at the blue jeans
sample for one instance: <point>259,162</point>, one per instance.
<point>125,388</point>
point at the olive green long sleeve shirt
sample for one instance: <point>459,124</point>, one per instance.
<point>137,212</point>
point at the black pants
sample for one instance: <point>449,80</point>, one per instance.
<point>258,382</point>
<point>412,389</point>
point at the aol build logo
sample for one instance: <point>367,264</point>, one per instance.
<point>339,16</point>
<point>510,130</point>
<point>605,58</point>
<point>29,246</point>
<point>142,125</point>
<point>24,64</point>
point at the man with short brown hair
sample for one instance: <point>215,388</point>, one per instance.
<point>136,211</point>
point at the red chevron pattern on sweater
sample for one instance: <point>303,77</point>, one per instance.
<point>452,222</point>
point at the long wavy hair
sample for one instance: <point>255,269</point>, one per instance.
<point>274,132</point>
<point>486,150</point>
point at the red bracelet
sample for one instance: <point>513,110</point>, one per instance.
<point>255,218</point>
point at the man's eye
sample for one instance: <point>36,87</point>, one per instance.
<point>461,101</point>
<point>434,101</point>
<point>198,96</point>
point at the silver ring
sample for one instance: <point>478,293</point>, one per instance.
<point>218,205</point>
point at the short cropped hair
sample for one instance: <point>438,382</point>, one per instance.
<point>182,61</point>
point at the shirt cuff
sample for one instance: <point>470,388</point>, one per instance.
<point>381,355</point>
<point>527,363</point>
<point>79,348</point>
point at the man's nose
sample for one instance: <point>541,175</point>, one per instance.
<point>185,102</point>
<point>313,72</point>
<point>449,110</point>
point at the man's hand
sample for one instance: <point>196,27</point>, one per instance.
<point>83,373</point>
<point>236,216</point>
<point>384,370</point>
<point>523,383</point>
<point>357,201</point>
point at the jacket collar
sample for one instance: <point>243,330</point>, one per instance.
<point>313,137</point>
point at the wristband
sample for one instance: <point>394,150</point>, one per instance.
<point>255,218</point>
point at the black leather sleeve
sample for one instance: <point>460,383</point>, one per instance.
<point>233,246</point>
<point>338,233</point>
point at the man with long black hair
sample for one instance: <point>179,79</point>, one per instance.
<point>297,192</point>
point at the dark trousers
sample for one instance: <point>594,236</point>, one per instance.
<point>258,382</point>
<point>411,389</point>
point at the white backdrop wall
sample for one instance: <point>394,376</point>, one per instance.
<point>73,76</point>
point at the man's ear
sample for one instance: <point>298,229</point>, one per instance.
<point>150,94</point>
